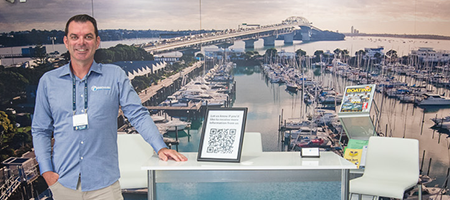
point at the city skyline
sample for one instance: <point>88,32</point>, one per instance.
<point>384,16</point>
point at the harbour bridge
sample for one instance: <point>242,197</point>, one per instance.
<point>291,28</point>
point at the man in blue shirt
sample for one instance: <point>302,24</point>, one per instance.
<point>78,104</point>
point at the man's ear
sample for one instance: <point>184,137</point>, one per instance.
<point>98,42</point>
<point>65,42</point>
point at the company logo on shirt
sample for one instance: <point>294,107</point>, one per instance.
<point>96,88</point>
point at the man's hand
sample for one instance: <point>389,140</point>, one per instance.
<point>50,177</point>
<point>166,154</point>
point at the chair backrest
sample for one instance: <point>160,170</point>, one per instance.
<point>133,152</point>
<point>252,145</point>
<point>392,158</point>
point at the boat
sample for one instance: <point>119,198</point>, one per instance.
<point>407,98</point>
<point>157,118</point>
<point>303,131</point>
<point>296,125</point>
<point>428,193</point>
<point>432,100</point>
<point>171,101</point>
<point>292,86</point>
<point>330,99</point>
<point>172,124</point>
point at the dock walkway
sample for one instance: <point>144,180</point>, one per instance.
<point>190,106</point>
<point>151,91</point>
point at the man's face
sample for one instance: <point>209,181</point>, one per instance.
<point>81,41</point>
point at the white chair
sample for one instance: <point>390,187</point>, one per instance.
<point>252,144</point>
<point>392,167</point>
<point>133,152</point>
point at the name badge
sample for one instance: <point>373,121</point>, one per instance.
<point>80,122</point>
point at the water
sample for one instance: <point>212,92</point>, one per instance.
<point>267,101</point>
<point>353,44</point>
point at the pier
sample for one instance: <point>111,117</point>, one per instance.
<point>18,177</point>
<point>155,93</point>
<point>190,106</point>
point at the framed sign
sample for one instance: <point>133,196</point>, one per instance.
<point>222,135</point>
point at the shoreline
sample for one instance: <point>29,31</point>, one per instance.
<point>405,36</point>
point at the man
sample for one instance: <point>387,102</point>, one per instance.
<point>77,104</point>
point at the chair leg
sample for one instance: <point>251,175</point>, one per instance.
<point>420,191</point>
<point>359,196</point>
<point>350,195</point>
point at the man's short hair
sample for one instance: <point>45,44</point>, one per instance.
<point>82,18</point>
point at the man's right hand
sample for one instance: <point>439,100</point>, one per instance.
<point>50,177</point>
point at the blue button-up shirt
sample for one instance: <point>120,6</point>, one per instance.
<point>90,153</point>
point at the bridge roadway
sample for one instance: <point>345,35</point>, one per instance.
<point>242,34</point>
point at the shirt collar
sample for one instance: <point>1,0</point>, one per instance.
<point>95,67</point>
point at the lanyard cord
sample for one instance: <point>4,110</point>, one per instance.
<point>74,95</point>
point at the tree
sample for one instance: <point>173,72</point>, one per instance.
<point>337,52</point>
<point>122,52</point>
<point>271,55</point>
<point>345,55</point>
<point>140,83</point>
<point>392,55</point>
<point>300,52</point>
<point>11,84</point>
<point>40,54</point>
<point>359,56</point>
<point>318,56</point>
<point>377,56</point>
<point>251,55</point>
<point>7,129</point>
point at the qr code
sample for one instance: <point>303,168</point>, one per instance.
<point>221,141</point>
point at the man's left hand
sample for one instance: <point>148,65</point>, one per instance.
<point>166,154</point>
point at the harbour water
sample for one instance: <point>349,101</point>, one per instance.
<point>267,101</point>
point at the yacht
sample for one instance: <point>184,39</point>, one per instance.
<point>171,124</point>
<point>432,100</point>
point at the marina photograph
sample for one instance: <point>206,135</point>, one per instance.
<point>320,83</point>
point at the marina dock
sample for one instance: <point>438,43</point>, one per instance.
<point>151,95</point>
<point>190,106</point>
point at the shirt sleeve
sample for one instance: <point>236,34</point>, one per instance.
<point>137,114</point>
<point>42,128</point>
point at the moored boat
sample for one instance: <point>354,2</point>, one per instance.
<point>432,100</point>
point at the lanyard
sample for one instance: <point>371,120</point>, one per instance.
<point>74,95</point>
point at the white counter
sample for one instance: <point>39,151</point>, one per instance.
<point>276,166</point>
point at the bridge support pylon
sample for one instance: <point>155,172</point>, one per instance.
<point>225,45</point>
<point>306,33</point>
<point>250,43</point>
<point>269,41</point>
<point>190,51</point>
<point>289,38</point>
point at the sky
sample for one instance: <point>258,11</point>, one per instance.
<point>368,16</point>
